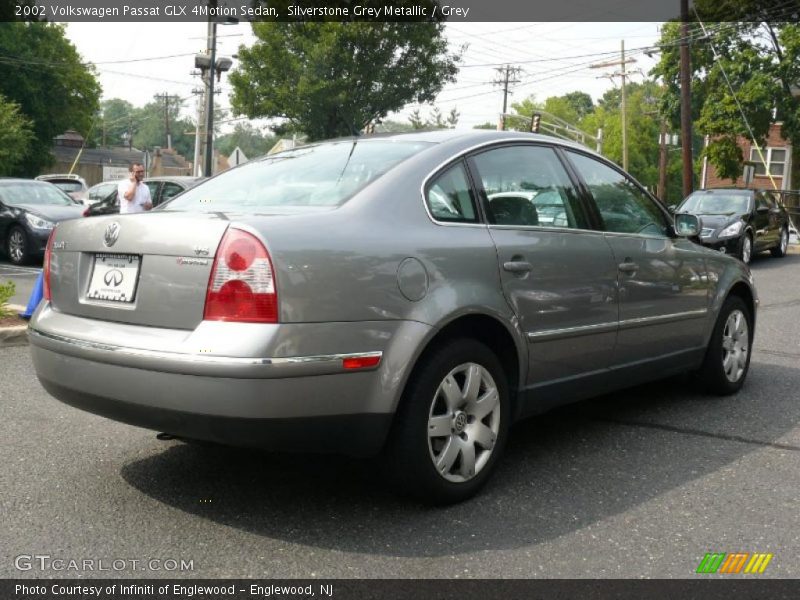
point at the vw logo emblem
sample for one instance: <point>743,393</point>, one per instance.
<point>113,277</point>
<point>112,234</point>
<point>460,422</point>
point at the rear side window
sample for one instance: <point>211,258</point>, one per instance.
<point>449,197</point>
<point>527,186</point>
<point>309,177</point>
<point>623,207</point>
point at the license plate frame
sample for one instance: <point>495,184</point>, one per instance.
<point>114,278</point>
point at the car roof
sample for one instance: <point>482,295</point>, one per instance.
<point>176,178</point>
<point>730,190</point>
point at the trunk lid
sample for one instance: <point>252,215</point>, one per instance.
<point>160,262</point>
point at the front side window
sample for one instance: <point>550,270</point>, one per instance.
<point>309,177</point>
<point>170,190</point>
<point>449,197</point>
<point>526,186</point>
<point>623,207</point>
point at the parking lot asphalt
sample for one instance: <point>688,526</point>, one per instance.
<point>635,484</point>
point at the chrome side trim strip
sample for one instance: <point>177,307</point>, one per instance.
<point>568,332</point>
<point>644,321</point>
<point>198,364</point>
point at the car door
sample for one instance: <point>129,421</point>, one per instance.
<point>662,280</point>
<point>774,220</point>
<point>155,191</point>
<point>557,274</point>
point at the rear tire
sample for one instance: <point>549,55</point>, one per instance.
<point>727,359</point>
<point>451,425</point>
<point>779,251</point>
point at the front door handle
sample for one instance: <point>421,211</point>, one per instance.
<point>517,266</point>
<point>628,266</point>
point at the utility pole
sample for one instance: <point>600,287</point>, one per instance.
<point>166,97</point>
<point>662,164</point>
<point>212,50</point>
<point>686,101</point>
<point>624,110</point>
<point>623,74</point>
<point>507,77</point>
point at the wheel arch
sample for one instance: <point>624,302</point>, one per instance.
<point>500,337</point>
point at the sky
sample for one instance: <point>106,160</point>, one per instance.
<point>136,61</point>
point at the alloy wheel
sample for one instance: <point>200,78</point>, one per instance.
<point>16,246</point>
<point>735,346</point>
<point>747,249</point>
<point>463,422</point>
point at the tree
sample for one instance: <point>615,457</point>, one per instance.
<point>16,133</point>
<point>248,139</point>
<point>44,75</point>
<point>759,59</point>
<point>434,120</point>
<point>332,79</point>
<point>116,117</point>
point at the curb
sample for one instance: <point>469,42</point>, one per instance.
<point>14,335</point>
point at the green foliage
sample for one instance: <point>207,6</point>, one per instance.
<point>434,120</point>
<point>758,58</point>
<point>332,79</point>
<point>116,117</point>
<point>44,75</point>
<point>15,136</point>
<point>248,139</point>
<point>486,125</point>
<point>7,291</point>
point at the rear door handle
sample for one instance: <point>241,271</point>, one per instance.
<point>628,267</point>
<point>517,266</point>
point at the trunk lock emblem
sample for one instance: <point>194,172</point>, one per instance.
<point>112,234</point>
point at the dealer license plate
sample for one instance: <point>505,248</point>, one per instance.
<point>114,277</point>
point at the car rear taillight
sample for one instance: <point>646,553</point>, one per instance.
<point>87,212</point>
<point>46,266</point>
<point>242,283</point>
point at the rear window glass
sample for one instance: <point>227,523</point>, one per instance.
<point>318,176</point>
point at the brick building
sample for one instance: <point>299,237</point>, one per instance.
<point>778,155</point>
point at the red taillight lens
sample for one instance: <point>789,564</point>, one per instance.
<point>361,362</point>
<point>242,284</point>
<point>86,212</point>
<point>46,267</point>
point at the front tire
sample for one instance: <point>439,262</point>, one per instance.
<point>779,251</point>
<point>727,358</point>
<point>452,423</point>
<point>746,249</point>
<point>17,246</point>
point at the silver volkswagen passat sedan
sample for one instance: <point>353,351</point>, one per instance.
<point>397,295</point>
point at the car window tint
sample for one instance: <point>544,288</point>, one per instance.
<point>526,185</point>
<point>170,189</point>
<point>623,207</point>
<point>449,197</point>
<point>153,187</point>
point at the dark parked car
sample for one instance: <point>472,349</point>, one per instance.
<point>28,212</point>
<point>393,294</point>
<point>161,190</point>
<point>740,222</point>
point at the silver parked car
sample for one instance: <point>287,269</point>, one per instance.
<point>390,294</point>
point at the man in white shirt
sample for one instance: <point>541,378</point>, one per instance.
<point>134,196</point>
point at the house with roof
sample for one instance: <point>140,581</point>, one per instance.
<point>102,164</point>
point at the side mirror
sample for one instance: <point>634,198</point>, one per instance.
<point>687,225</point>
<point>671,208</point>
<point>762,210</point>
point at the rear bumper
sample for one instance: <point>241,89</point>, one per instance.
<point>306,401</point>
<point>355,434</point>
